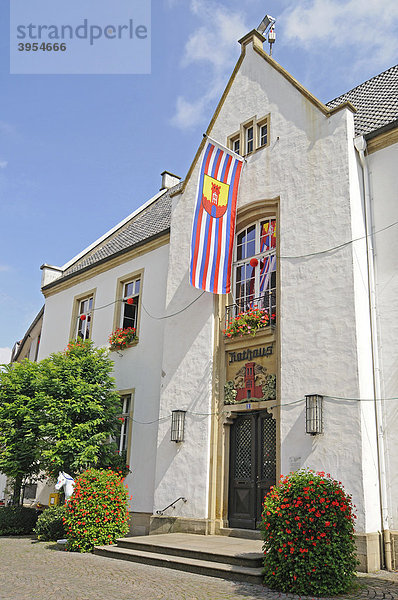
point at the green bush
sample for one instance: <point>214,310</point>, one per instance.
<point>308,527</point>
<point>97,512</point>
<point>50,525</point>
<point>17,520</point>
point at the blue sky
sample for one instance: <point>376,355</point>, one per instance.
<point>78,153</point>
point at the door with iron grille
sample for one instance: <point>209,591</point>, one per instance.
<point>252,467</point>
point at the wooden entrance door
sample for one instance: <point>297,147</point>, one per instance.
<point>252,467</point>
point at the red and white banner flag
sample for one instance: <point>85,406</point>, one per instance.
<point>214,219</point>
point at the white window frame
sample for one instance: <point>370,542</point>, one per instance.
<point>86,324</point>
<point>251,141</point>
<point>257,254</point>
<point>134,281</point>
<point>234,139</point>
<point>125,428</point>
<point>259,134</point>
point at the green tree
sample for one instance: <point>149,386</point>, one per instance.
<point>20,420</point>
<point>81,410</point>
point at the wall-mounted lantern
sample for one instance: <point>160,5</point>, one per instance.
<point>177,425</point>
<point>313,414</point>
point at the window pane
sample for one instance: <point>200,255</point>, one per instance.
<point>263,135</point>
<point>246,243</point>
<point>88,326</point>
<point>239,248</point>
<point>126,407</point>
<point>245,286</point>
<point>268,235</point>
<point>80,333</point>
<point>137,286</point>
<point>129,315</point>
<point>122,438</point>
<point>236,146</point>
<point>129,289</point>
<point>268,283</point>
<point>83,326</point>
<point>251,242</point>
<point>267,267</point>
<point>249,140</point>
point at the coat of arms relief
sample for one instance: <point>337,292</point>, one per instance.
<point>252,382</point>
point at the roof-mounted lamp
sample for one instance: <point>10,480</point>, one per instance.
<point>268,24</point>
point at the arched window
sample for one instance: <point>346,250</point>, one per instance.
<point>254,271</point>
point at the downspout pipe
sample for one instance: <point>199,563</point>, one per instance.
<point>360,146</point>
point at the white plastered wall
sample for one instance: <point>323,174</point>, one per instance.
<point>182,468</point>
<point>137,368</point>
<point>383,189</point>
<point>310,165</point>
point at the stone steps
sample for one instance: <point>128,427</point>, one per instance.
<point>214,556</point>
<point>246,534</point>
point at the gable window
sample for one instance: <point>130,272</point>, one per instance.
<point>255,268</point>
<point>123,439</point>
<point>234,142</point>
<point>83,327</point>
<point>236,145</point>
<point>252,136</point>
<point>129,310</point>
<point>263,135</point>
<point>249,133</point>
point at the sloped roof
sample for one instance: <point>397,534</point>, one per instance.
<point>376,101</point>
<point>18,346</point>
<point>149,223</point>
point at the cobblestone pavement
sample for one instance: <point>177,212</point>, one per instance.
<point>38,571</point>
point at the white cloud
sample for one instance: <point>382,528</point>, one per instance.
<point>5,268</point>
<point>213,47</point>
<point>188,114</point>
<point>214,44</point>
<point>5,355</point>
<point>3,164</point>
<point>368,31</point>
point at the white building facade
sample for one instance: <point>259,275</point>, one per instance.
<point>317,200</point>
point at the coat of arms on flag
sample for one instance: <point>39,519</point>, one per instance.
<point>213,227</point>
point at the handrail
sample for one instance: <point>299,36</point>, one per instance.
<point>160,512</point>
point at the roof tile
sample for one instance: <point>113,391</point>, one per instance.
<point>376,101</point>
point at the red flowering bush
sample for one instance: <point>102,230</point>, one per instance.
<point>97,512</point>
<point>308,527</point>
<point>122,338</point>
<point>249,322</point>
